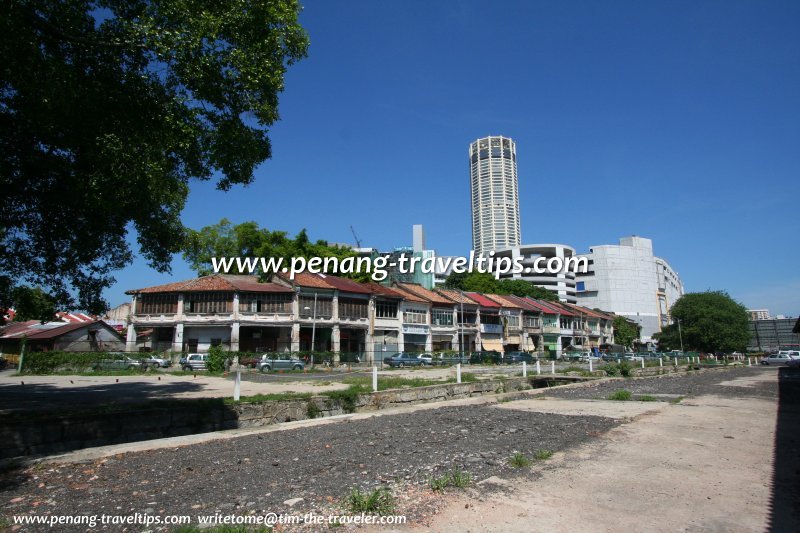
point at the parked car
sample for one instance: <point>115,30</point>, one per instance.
<point>794,354</point>
<point>195,361</point>
<point>486,357</point>
<point>426,359</point>
<point>450,359</point>
<point>402,359</point>
<point>776,359</point>
<point>795,363</point>
<point>156,362</point>
<point>633,357</point>
<point>249,361</point>
<point>118,362</point>
<point>269,362</point>
<point>511,358</point>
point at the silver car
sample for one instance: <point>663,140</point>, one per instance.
<point>157,362</point>
<point>118,362</point>
<point>195,361</point>
<point>271,362</point>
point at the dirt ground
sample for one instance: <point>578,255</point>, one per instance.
<point>704,464</point>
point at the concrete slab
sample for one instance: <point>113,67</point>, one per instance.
<point>606,408</point>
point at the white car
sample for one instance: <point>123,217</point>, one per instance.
<point>777,359</point>
<point>426,359</point>
<point>794,354</point>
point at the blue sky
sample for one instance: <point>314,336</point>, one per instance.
<point>678,121</point>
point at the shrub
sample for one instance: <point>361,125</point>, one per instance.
<point>312,409</point>
<point>647,398</point>
<point>379,501</point>
<point>52,362</point>
<point>216,359</point>
<point>621,395</point>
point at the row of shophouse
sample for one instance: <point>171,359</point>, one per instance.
<point>352,319</point>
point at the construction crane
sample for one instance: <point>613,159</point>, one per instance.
<point>358,242</point>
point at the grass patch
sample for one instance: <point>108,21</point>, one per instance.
<point>519,460</point>
<point>621,395</point>
<point>380,501</point>
<point>677,400</point>
<point>312,409</point>
<point>275,397</point>
<point>646,398</point>
<point>542,455</point>
<point>456,478</point>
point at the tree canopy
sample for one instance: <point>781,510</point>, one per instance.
<point>709,321</point>
<point>625,331</point>
<point>486,283</point>
<point>109,108</point>
<point>249,240</point>
<point>32,304</point>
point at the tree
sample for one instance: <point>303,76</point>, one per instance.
<point>32,304</point>
<point>484,282</point>
<point>625,331</point>
<point>248,240</point>
<point>109,108</point>
<point>709,322</point>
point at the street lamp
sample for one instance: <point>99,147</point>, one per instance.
<point>680,335</point>
<point>461,323</point>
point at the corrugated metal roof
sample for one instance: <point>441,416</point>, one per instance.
<point>482,300</point>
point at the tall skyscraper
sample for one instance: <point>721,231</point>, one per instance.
<point>495,194</point>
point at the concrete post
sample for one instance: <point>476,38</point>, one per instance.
<point>458,372</point>
<point>374,379</point>
<point>590,366</point>
<point>524,369</point>
<point>237,386</point>
<point>553,367</point>
<point>676,361</point>
<point>660,362</point>
<point>538,368</point>
<point>642,362</point>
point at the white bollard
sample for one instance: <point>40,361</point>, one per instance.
<point>374,379</point>
<point>538,368</point>
<point>617,360</point>
<point>642,362</point>
<point>237,386</point>
<point>553,367</point>
<point>458,373</point>
<point>524,369</point>
<point>676,361</point>
<point>660,362</point>
<point>749,362</point>
<point>590,366</point>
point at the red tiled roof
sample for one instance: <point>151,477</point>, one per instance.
<point>562,309</point>
<point>75,317</point>
<point>326,281</point>
<point>422,292</point>
<point>539,304</point>
<point>410,296</point>
<point>503,301</point>
<point>586,311</point>
<point>214,283</point>
<point>524,303</point>
<point>456,296</point>
<point>383,290</point>
<point>482,300</point>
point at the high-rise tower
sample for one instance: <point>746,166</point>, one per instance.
<point>495,194</point>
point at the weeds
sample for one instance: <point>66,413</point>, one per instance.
<point>456,478</point>
<point>677,400</point>
<point>542,455</point>
<point>379,501</point>
<point>519,460</point>
<point>646,398</point>
<point>312,409</point>
<point>621,395</point>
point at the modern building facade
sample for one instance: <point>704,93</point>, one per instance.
<point>495,194</point>
<point>758,314</point>
<point>562,282</point>
<point>628,280</point>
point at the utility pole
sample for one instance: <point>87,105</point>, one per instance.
<point>680,335</point>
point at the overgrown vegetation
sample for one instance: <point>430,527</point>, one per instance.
<point>646,398</point>
<point>312,409</point>
<point>621,395</point>
<point>216,359</point>
<point>379,501</point>
<point>621,369</point>
<point>457,478</point>
<point>70,362</point>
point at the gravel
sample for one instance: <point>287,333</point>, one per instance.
<point>314,468</point>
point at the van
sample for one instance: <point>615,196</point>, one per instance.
<point>195,361</point>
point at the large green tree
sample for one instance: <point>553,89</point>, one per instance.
<point>710,322</point>
<point>32,303</point>
<point>109,108</point>
<point>248,240</point>
<point>486,283</point>
<point>625,331</point>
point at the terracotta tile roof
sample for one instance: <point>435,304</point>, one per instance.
<point>585,310</point>
<point>408,295</point>
<point>383,290</point>
<point>482,300</point>
<point>562,309</point>
<point>523,303</point>
<point>214,283</point>
<point>539,304</point>
<point>326,281</point>
<point>504,301</point>
<point>456,296</point>
<point>344,284</point>
<point>422,292</point>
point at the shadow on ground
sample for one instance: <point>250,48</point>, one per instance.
<point>785,498</point>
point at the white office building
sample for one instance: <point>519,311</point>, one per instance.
<point>534,259</point>
<point>495,194</point>
<point>627,279</point>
